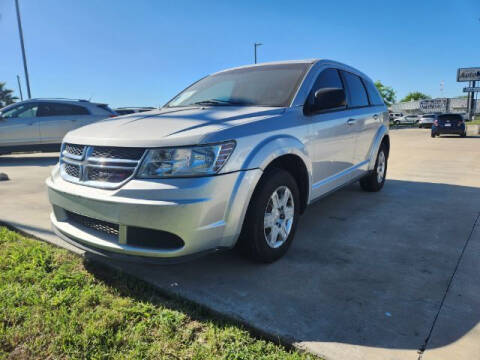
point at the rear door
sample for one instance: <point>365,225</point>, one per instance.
<point>56,119</point>
<point>19,125</point>
<point>333,139</point>
<point>365,115</point>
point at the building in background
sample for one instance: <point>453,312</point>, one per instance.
<point>454,105</point>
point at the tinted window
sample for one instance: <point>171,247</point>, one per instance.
<point>329,78</point>
<point>373,95</point>
<point>124,112</point>
<point>357,96</point>
<point>267,85</point>
<point>21,111</point>
<point>452,117</point>
<point>55,109</point>
<point>106,108</point>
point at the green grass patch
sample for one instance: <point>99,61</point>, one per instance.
<point>55,306</point>
<point>474,122</point>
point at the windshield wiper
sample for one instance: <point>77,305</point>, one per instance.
<point>218,102</point>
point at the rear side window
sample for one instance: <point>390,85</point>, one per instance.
<point>329,78</point>
<point>357,96</point>
<point>106,108</point>
<point>373,95</point>
<point>56,109</point>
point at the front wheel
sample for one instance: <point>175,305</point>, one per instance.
<point>375,180</point>
<point>271,218</point>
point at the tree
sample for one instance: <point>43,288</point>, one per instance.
<point>415,95</point>
<point>6,97</point>
<point>388,94</point>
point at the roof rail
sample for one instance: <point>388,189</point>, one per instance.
<point>60,98</point>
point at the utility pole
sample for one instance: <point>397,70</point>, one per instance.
<point>20,88</point>
<point>255,45</point>
<point>23,49</point>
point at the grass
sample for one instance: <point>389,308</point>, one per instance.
<point>55,306</point>
<point>474,122</point>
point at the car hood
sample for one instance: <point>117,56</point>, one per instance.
<point>168,126</point>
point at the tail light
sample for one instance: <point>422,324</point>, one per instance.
<point>112,115</point>
<point>435,122</point>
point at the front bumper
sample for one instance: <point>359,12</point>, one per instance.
<point>205,213</point>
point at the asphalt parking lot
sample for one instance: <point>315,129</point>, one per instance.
<point>369,276</point>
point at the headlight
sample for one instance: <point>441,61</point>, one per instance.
<point>185,161</point>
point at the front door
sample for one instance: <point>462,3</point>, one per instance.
<point>333,135</point>
<point>19,125</point>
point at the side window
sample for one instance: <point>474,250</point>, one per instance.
<point>22,111</point>
<point>54,109</point>
<point>373,95</point>
<point>357,96</point>
<point>328,78</point>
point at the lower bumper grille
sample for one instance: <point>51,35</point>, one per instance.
<point>94,224</point>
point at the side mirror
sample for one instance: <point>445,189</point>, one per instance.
<point>327,99</point>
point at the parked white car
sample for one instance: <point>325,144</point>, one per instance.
<point>406,120</point>
<point>234,159</point>
<point>41,124</point>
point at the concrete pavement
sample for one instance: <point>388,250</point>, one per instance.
<point>369,276</point>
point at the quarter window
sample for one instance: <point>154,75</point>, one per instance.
<point>357,96</point>
<point>373,95</point>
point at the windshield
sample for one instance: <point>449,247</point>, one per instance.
<point>268,85</point>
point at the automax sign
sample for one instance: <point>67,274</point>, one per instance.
<point>468,74</point>
<point>434,105</point>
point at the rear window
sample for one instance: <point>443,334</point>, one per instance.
<point>451,117</point>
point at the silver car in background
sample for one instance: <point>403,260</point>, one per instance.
<point>41,124</point>
<point>233,160</point>
<point>426,121</point>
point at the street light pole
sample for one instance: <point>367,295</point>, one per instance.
<point>20,88</point>
<point>255,45</point>
<point>23,49</point>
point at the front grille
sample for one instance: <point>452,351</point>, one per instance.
<point>99,166</point>
<point>108,174</point>
<point>76,150</point>
<point>72,170</point>
<point>94,224</point>
<point>117,153</point>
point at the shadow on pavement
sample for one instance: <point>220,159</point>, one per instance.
<point>367,269</point>
<point>13,161</point>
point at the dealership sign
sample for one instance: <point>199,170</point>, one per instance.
<point>471,89</point>
<point>468,74</point>
<point>434,105</point>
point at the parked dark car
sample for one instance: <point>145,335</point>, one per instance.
<point>449,124</point>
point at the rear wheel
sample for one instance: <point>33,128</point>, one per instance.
<point>376,179</point>
<point>271,218</point>
<point>464,134</point>
<point>433,135</point>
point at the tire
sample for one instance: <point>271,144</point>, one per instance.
<point>433,135</point>
<point>396,123</point>
<point>375,180</point>
<point>257,240</point>
<point>464,134</point>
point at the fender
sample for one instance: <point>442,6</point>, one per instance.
<point>273,147</point>
<point>372,154</point>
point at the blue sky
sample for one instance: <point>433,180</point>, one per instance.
<point>135,53</point>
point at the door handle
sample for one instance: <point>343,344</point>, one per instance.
<point>351,121</point>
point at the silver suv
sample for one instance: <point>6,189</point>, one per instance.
<point>233,160</point>
<point>41,124</point>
